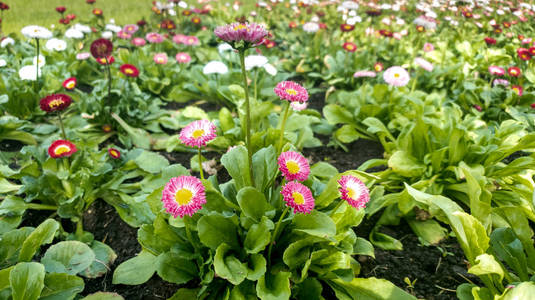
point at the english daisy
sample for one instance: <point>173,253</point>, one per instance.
<point>101,48</point>
<point>69,83</point>
<point>198,133</point>
<point>114,153</point>
<point>215,67</point>
<point>129,70</point>
<point>496,71</point>
<point>293,166</point>
<point>61,148</point>
<point>396,76</point>
<point>154,37</point>
<point>184,58</point>
<point>36,32</point>
<point>298,197</point>
<point>160,58</point>
<point>354,191</point>
<point>514,71</point>
<point>291,91</point>
<point>55,102</point>
<point>183,195</point>
<point>250,34</point>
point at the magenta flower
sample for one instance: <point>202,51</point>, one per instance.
<point>190,40</point>
<point>293,166</point>
<point>364,73</point>
<point>198,133</point>
<point>138,42</point>
<point>424,64</point>
<point>124,35</point>
<point>130,28</point>
<point>179,38</point>
<point>154,37</point>
<point>354,191</point>
<point>298,197</point>
<point>183,58</point>
<point>160,58</point>
<point>251,34</point>
<point>183,195</point>
<point>298,106</point>
<point>291,91</point>
<point>428,47</point>
<point>396,76</point>
<point>496,71</point>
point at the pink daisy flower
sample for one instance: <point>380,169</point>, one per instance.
<point>83,55</point>
<point>160,58</point>
<point>503,82</point>
<point>198,133</point>
<point>138,42</point>
<point>179,38</point>
<point>396,76</point>
<point>191,40</point>
<point>130,28</point>
<point>154,37</point>
<point>496,71</point>
<point>428,47</point>
<point>298,197</point>
<point>183,195</point>
<point>183,58</point>
<point>124,35</point>
<point>424,64</point>
<point>252,34</point>
<point>354,191</point>
<point>291,91</point>
<point>298,106</point>
<point>364,73</point>
<point>293,166</point>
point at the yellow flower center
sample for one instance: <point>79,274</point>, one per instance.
<point>292,167</point>
<point>61,149</point>
<point>129,71</point>
<point>70,85</point>
<point>396,75</point>
<point>350,47</point>
<point>197,133</point>
<point>55,103</point>
<point>298,198</point>
<point>114,153</point>
<point>351,193</point>
<point>291,92</point>
<point>239,27</point>
<point>183,196</point>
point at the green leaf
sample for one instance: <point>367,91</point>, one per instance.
<point>368,289</point>
<point>486,264</point>
<point>151,162</point>
<point>7,187</point>
<point>429,232</point>
<point>316,223</point>
<point>103,296</point>
<point>227,266</point>
<point>11,243</point>
<point>136,270</point>
<point>4,277</point>
<point>61,286</point>
<point>335,114</point>
<point>27,280</point>
<point>323,170</point>
<point>13,205</point>
<point>258,236</point>
<point>104,259</point>
<point>346,134</point>
<point>184,293</point>
<point>215,230</point>
<point>363,247</point>
<point>524,290</point>
<point>237,165</point>
<point>69,257</point>
<point>43,234</point>
<point>253,203</point>
<point>274,286</point>
<point>405,165</point>
<point>256,267</point>
<point>173,268</point>
<point>265,167</point>
<point>140,137</point>
<point>508,248</point>
<point>309,289</point>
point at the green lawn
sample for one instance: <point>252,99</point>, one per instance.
<point>43,12</point>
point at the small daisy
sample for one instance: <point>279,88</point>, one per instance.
<point>69,83</point>
<point>114,153</point>
<point>154,37</point>
<point>364,73</point>
<point>293,166</point>
<point>291,91</point>
<point>298,197</point>
<point>198,133</point>
<point>61,148</point>
<point>55,102</point>
<point>517,89</point>
<point>514,71</point>
<point>183,58</point>
<point>129,70</point>
<point>496,71</point>
<point>137,41</point>
<point>183,195</point>
<point>101,48</point>
<point>160,58</point>
<point>354,191</point>
<point>424,64</point>
<point>298,106</point>
<point>350,47</point>
<point>396,76</point>
<point>251,34</point>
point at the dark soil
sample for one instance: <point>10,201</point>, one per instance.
<point>10,145</point>
<point>435,271</point>
<point>103,221</point>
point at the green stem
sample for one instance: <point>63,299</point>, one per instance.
<point>276,233</point>
<point>247,117</point>
<point>255,83</point>
<point>61,126</point>
<point>37,65</point>
<point>414,80</point>
<point>37,206</point>
<point>337,207</point>
<point>200,163</point>
<point>80,227</point>
<point>108,70</point>
<point>283,126</point>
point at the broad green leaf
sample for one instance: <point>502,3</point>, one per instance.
<point>264,167</point>
<point>363,247</point>
<point>216,229</point>
<point>258,236</point>
<point>140,137</point>
<point>7,187</point>
<point>61,286</point>
<point>136,270</point>
<point>336,114</point>
<point>151,162</point>
<point>323,170</point>
<point>253,203</point>
<point>256,267</point>
<point>368,289</point>
<point>346,134</point>
<point>13,205</point>
<point>4,277</point>
<point>104,259</point>
<point>524,290</point>
<point>429,232</point>
<point>237,165</point>
<point>10,245</point>
<point>27,280</point>
<point>173,268</point>
<point>309,289</point>
<point>275,287</point>
<point>43,234</point>
<point>69,257</point>
<point>486,264</point>
<point>229,267</point>
<point>184,293</point>
<point>405,165</point>
<point>103,296</point>
<point>509,249</point>
<point>316,223</point>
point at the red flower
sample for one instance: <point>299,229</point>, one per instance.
<point>532,105</point>
<point>517,89</point>
<point>97,12</point>
<point>386,33</point>
<point>292,25</point>
<point>64,21</point>
<point>71,17</point>
<point>3,6</point>
<point>323,26</point>
<point>350,47</point>
<point>114,153</point>
<point>61,148</point>
<point>141,23</point>
<point>420,28</point>
<point>378,67</point>
<point>69,83</point>
<point>55,102</point>
<point>168,24</point>
<point>514,71</point>
<point>186,12</point>
<point>196,20</point>
<point>523,54</point>
<point>490,41</point>
<point>269,43</point>
<point>467,14</point>
<point>90,1</point>
<point>531,51</point>
<point>101,48</point>
<point>106,128</point>
<point>520,37</point>
<point>373,12</point>
<point>129,70</point>
<point>61,9</point>
<point>102,60</point>
<point>347,27</point>
<point>506,24</point>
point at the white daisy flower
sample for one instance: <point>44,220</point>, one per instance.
<point>28,73</point>
<point>36,32</point>
<point>7,41</point>
<point>56,44</point>
<point>216,67</point>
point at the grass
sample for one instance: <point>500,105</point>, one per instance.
<point>43,12</point>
